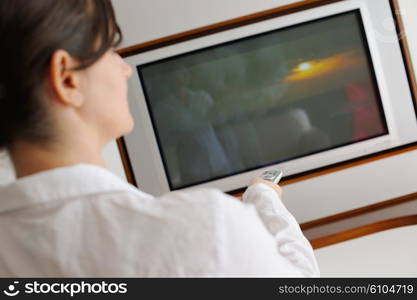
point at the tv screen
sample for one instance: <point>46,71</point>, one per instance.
<point>264,99</point>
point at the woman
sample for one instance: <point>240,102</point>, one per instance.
<point>63,97</point>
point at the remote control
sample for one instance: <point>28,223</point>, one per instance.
<point>273,176</point>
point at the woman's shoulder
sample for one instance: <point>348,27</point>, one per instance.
<point>203,203</point>
<point>198,204</point>
<point>181,233</point>
<point>185,214</point>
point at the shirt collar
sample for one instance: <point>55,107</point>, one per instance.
<point>61,183</point>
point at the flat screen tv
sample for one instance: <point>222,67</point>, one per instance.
<point>297,92</point>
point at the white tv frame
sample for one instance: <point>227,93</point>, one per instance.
<point>390,72</point>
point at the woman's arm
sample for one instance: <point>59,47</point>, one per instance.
<point>290,242</point>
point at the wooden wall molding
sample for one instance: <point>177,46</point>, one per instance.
<point>127,166</point>
<point>405,49</point>
<point>222,26</point>
<point>363,231</point>
<point>358,211</point>
<point>340,166</point>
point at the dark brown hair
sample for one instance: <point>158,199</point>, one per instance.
<point>30,32</point>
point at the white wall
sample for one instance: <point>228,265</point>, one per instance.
<point>390,253</point>
<point>143,21</point>
<point>347,189</point>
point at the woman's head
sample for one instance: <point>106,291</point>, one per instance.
<point>57,66</point>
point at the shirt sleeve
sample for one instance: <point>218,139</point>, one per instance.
<point>292,249</point>
<point>209,233</point>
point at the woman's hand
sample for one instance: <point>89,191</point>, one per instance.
<point>276,187</point>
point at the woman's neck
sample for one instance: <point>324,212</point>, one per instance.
<point>29,158</point>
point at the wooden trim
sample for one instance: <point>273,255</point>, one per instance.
<point>340,166</point>
<point>222,26</point>
<point>363,230</point>
<point>405,49</point>
<point>359,211</point>
<point>126,161</point>
<point>353,163</point>
<point>355,212</point>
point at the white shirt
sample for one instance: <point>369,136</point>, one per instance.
<point>83,221</point>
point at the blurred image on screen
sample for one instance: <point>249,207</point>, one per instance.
<point>263,100</point>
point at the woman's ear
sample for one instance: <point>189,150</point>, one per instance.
<point>64,80</point>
